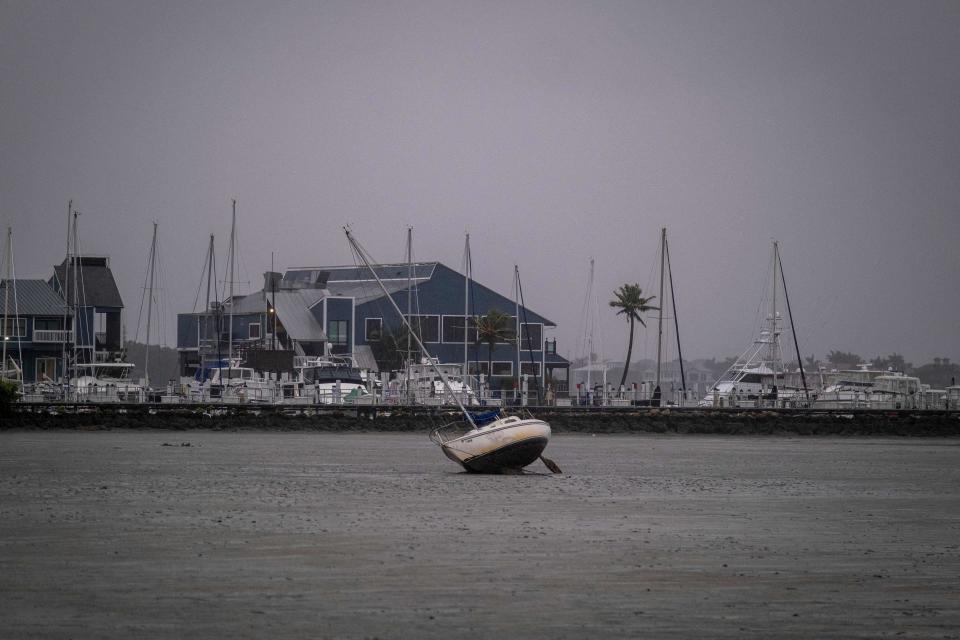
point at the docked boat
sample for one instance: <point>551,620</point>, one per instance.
<point>866,388</point>
<point>230,382</point>
<point>487,443</point>
<point>327,380</point>
<point>106,382</point>
<point>421,383</point>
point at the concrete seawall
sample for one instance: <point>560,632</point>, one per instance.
<point>409,419</point>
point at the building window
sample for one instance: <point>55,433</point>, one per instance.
<point>47,324</point>
<point>550,346</point>
<point>530,369</point>
<point>46,369</point>
<point>427,327</point>
<point>13,327</point>
<point>478,368</point>
<point>535,330</point>
<point>337,332</point>
<point>373,329</point>
<point>253,331</point>
<point>453,329</point>
<point>502,368</point>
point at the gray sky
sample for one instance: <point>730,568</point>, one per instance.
<point>552,131</point>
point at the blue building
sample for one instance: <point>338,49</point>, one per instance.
<point>36,325</point>
<point>313,311</point>
<point>87,285</point>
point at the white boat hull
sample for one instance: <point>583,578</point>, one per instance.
<point>506,444</point>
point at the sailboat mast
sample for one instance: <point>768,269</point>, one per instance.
<point>774,335</point>
<point>233,241</point>
<point>466,303</point>
<point>6,299</point>
<point>409,305</point>
<point>443,378</point>
<point>663,243</point>
<point>590,327</point>
<point>63,289</point>
<point>76,307</point>
<point>153,261</point>
<point>516,301</point>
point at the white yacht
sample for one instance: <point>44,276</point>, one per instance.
<point>866,388</point>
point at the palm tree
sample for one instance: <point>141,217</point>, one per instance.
<point>492,328</point>
<point>632,304</point>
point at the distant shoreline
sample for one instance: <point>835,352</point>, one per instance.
<point>421,419</point>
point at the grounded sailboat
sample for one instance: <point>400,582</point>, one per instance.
<point>481,443</point>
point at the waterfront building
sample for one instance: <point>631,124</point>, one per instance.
<point>37,327</point>
<point>86,284</point>
<point>341,310</point>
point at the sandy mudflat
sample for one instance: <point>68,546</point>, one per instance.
<point>292,535</point>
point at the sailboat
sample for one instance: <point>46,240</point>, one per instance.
<point>488,442</point>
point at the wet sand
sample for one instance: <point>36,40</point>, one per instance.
<point>290,535</point>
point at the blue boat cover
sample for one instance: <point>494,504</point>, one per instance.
<point>485,417</point>
<point>206,370</point>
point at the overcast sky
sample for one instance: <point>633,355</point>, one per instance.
<point>552,131</point>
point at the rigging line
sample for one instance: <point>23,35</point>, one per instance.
<point>793,329</point>
<point>82,290</point>
<point>143,294</point>
<point>523,307</point>
<point>203,270</point>
<point>676,322</point>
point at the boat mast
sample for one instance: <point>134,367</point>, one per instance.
<point>233,240</point>
<point>446,383</point>
<point>516,301</point>
<point>663,243</point>
<point>774,334</point>
<point>409,304</point>
<point>6,299</point>
<point>467,274</point>
<point>76,306</point>
<point>63,290</point>
<point>153,260</point>
<point>590,324</point>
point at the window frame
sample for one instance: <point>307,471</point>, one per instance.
<point>366,329</point>
<point>19,325</point>
<point>419,318</point>
<point>341,340</point>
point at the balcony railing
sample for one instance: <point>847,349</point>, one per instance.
<point>52,335</point>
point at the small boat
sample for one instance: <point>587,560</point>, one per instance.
<point>492,442</point>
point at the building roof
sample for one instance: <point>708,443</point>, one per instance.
<point>355,273</point>
<point>33,298</point>
<point>95,282</point>
<point>293,311</point>
<point>363,357</point>
<point>364,291</point>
